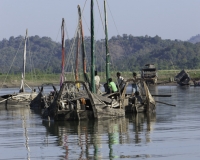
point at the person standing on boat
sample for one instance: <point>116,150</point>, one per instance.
<point>112,85</point>
<point>120,81</point>
<point>97,82</point>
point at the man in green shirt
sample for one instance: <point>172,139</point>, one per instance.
<point>112,85</point>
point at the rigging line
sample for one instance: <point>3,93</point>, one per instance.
<point>48,62</point>
<point>101,52</point>
<point>11,64</point>
<point>71,49</point>
<point>30,58</point>
<point>86,55</point>
<point>101,60</point>
<point>86,24</point>
<point>83,7</point>
<point>113,18</point>
<point>69,55</point>
<point>87,59</point>
<point>66,33</point>
<point>73,44</point>
<point>83,15</point>
<point>97,31</point>
<point>73,75</point>
<point>100,16</point>
<point>88,68</point>
<point>34,72</point>
<point>113,64</point>
<point>104,31</point>
<point>28,86</point>
<point>96,49</point>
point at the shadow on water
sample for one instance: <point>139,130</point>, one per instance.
<point>95,139</point>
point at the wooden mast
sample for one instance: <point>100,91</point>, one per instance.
<point>93,90</point>
<point>24,64</point>
<point>63,52</point>
<point>106,43</point>
<point>77,53</point>
<point>86,78</point>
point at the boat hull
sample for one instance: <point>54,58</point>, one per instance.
<point>71,115</point>
<point>106,112</point>
<point>140,108</point>
<point>82,105</point>
<point>18,99</point>
<point>182,78</point>
<point>13,106</point>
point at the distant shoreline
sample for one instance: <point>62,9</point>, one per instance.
<point>14,80</point>
<point>36,85</point>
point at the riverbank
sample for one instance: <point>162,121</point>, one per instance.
<point>34,84</point>
<point>165,77</point>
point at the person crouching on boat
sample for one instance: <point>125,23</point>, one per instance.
<point>138,97</point>
<point>112,85</point>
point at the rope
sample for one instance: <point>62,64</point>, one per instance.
<point>84,17</point>
<point>28,86</point>
<point>71,50</point>
<point>100,16</point>
<point>53,48</point>
<point>11,65</point>
<point>70,55</point>
<point>32,68</point>
<point>112,18</point>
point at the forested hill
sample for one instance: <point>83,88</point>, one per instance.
<point>127,52</point>
<point>195,39</point>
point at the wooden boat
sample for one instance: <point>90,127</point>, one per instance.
<point>196,83</point>
<point>74,103</point>
<point>182,78</point>
<point>149,74</point>
<point>44,98</point>
<point>22,96</point>
<point>77,100</point>
<point>140,101</point>
<point>12,106</point>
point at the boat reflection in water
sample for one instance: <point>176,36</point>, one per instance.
<point>143,124</point>
<point>100,139</point>
<point>15,132</point>
<point>94,138</point>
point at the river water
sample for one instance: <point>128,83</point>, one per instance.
<point>170,133</point>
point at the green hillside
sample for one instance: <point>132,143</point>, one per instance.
<point>127,52</point>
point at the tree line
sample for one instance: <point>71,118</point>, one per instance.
<point>128,53</point>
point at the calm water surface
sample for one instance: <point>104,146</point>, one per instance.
<point>171,133</point>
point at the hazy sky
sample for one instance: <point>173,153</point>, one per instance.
<point>169,19</point>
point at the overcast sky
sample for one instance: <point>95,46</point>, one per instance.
<point>169,19</point>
